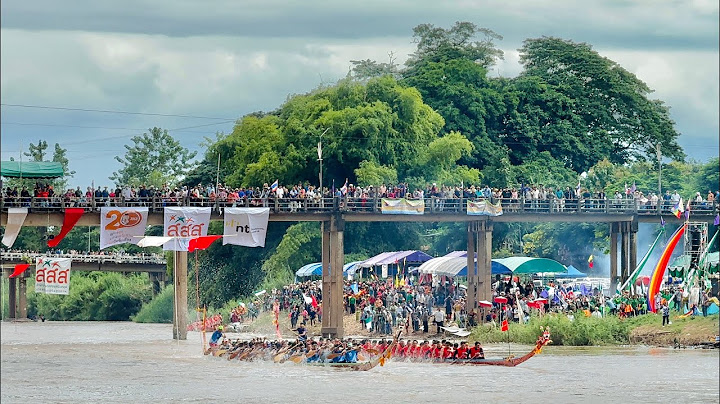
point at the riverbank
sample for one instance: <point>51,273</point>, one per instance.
<point>582,331</point>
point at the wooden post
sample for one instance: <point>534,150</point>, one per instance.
<point>22,298</point>
<point>180,308</point>
<point>12,297</point>
<point>613,257</point>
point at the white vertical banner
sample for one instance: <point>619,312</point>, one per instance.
<point>184,223</point>
<point>52,275</point>
<point>122,225</point>
<point>15,220</point>
<point>246,226</point>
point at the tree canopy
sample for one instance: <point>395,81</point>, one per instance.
<point>154,158</point>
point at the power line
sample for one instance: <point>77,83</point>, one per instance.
<point>105,111</point>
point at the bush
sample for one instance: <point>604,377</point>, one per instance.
<point>98,296</point>
<point>159,309</point>
<point>583,331</point>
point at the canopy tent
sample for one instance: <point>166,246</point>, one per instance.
<point>572,272</point>
<point>456,266</point>
<point>315,269</point>
<point>387,258</point>
<point>457,254</point>
<point>31,169</point>
<point>529,265</point>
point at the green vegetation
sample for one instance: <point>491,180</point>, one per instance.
<point>611,330</point>
<point>159,309</point>
<point>95,296</point>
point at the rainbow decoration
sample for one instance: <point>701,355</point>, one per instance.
<point>659,272</point>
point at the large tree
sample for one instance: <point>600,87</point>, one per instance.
<point>154,158</point>
<point>589,103</point>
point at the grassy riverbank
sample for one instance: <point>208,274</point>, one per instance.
<point>584,331</point>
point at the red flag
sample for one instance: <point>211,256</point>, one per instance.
<point>19,268</point>
<point>314,301</point>
<point>504,326</point>
<point>72,215</point>
<point>201,243</point>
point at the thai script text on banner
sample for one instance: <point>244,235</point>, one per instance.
<point>52,275</point>
<point>122,225</point>
<point>15,220</point>
<point>246,226</point>
<point>184,223</point>
<point>402,206</point>
<point>484,208</point>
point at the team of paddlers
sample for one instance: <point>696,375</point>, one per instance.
<point>326,350</point>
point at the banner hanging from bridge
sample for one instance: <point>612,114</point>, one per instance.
<point>15,219</point>
<point>52,275</point>
<point>72,215</point>
<point>122,225</point>
<point>484,208</point>
<point>402,206</point>
<point>246,226</point>
<point>184,223</point>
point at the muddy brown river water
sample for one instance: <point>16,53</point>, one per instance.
<point>79,362</point>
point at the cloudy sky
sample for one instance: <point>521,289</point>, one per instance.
<point>195,66</point>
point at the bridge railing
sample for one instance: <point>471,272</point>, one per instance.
<point>360,205</point>
<point>90,258</point>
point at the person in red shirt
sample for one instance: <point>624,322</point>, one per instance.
<point>476,352</point>
<point>426,350</point>
<point>448,351</point>
<point>437,351</point>
<point>462,351</point>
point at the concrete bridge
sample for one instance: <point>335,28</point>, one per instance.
<point>622,215</point>
<point>154,265</point>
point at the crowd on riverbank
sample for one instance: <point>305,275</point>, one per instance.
<point>384,306</point>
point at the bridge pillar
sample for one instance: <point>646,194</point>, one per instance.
<point>484,261</point>
<point>180,308</point>
<point>12,296</point>
<point>479,271</point>
<point>22,297</point>
<point>614,278</point>
<point>471,303</point>
<point>333,253</point>
<point>624,251</point>
<point>633,230</point>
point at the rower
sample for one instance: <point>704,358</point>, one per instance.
<point>302,332</point>
<point>462,351</point>
<point>477,352</point>
<point>215,337</point>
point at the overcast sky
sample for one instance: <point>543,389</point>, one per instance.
<point>224,59</point>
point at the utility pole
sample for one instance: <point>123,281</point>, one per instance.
<point>659,159</point>
<point>320,159</point>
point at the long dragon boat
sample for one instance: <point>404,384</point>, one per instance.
<point>286,354</point>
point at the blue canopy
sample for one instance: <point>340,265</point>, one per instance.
<point>572,272</point>
<point>315,269</point>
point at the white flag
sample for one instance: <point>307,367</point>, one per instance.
<point>153,241</point>
<point>121,225</point>
<point>246,226</point>
<point>184,223</point>
<point>15,220</point>
<point>52,275</point>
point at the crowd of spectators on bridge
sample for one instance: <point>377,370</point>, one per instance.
<point>300,196</point>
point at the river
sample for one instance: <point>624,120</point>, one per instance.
<point>127,362</point>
